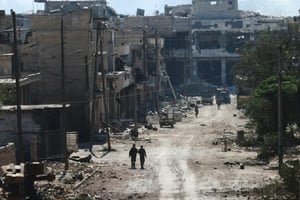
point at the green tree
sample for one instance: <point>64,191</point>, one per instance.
<point>263,106</point>
<point>260,58</point>
<point>7,95</point>
<point>259,67</point>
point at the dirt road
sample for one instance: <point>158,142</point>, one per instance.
<point>185,162</point>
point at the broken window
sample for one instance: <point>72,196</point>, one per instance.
<point>4,38</point>
<point>176,72</point>
<point>208,40</point>
<point>208,71</point>
<point>179,41</point>
<point>236,41</point>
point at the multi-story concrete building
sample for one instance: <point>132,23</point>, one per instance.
<point>65,41</point>
<point>206,39</point>
<point>29,78</point>
<point>201,40</point>
<point>97,91</point>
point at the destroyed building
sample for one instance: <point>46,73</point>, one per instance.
<point>206,39</point>
<point>117,68</point>
<point>201,40</point>
<point>99,8</point>
<point>81,42</point>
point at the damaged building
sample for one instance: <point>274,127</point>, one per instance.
<point>118,68</point>
<point>99,81</point>
<point>201,41</point>
<point>206,39</point>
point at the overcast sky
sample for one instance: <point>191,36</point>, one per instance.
<point>266,7</point>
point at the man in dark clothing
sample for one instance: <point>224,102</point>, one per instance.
<point>218,103</point>
<point>132,153</point>
<point>143,155</point>
<point>196,110</point>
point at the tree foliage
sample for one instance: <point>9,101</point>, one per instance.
<point>259,66</point>
<point>260,58</point>
<point>7,95</point>
<point>263,106</point>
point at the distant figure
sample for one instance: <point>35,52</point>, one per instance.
<point>143,155</point>
<point>218,103</point>
<point>132,153</point>
<point>196,110</point>
<point>134,133</point>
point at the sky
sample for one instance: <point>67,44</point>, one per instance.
<point>128,7</point>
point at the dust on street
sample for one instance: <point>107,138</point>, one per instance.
<point>185,162</point>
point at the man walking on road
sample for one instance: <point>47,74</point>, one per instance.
<point>143,155</point>
<point>218,103</point>
<point>132,153</point>
<point>196,110</point>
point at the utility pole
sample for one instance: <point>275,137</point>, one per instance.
<point>91,103</point>
<point>185,65</point>
<point>105,125</point>
<point>93,88</point>
<point>63,97</point>
<point>145,73</point>
<point>144,55</point>
<point>279,73</point>
<point>157,80</point>
<point>18,91</point>
<point>135,104</point>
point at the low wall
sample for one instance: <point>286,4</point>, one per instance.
<point>7,154</point>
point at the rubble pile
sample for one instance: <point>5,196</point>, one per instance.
<point>63,186</point>
<point>76,183</point>
<point>50,191</point>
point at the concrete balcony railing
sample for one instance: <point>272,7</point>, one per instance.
<point>178,53</point>
<point>121,79</point>
<point>25,79</point>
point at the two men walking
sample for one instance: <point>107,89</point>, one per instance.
<point>132,154</point>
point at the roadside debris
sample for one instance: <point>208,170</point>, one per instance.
<point>18,180</point>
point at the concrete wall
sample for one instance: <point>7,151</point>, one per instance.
<point>77,45</point>
<point>215,5</point>
<point>54,5</point>
<point>182,24</point>
<point>6,65</point>
<point>7,154</point>
<point>164,24</point>
<point>181,10</point>
<point>8,128</point>
<point>8,121</point>
<point>215,9</point>
<point>37,122</point>
<point>5,21</point>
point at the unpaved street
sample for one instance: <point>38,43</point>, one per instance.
<point>183,162</point>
